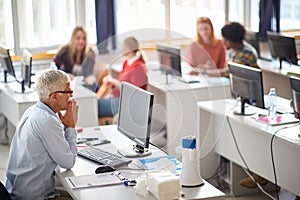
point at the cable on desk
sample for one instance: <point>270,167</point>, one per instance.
<point>272,156</point>
<point>159,148</point>
<point>247,170</point>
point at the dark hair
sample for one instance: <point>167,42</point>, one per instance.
<point>234,32</point>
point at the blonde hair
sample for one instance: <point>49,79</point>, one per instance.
<point>49,81</point>
<point>133,45</point>
<point>205,20</point>
<point>72,47</point>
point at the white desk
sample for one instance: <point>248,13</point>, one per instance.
<point>175,104</point>
<point>253,139</point>
<point>276,78</point>
<point>13,105</point>
<point>84,167</point>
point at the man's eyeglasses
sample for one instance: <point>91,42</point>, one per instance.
<point>63,92</point>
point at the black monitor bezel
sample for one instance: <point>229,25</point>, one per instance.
<point>125,132</point>
<point>8,65</point>
<point>276,41</point>
<point>256,75</point>
<point>173,52</point>
<point>295,88</point>
<point>26,66</point>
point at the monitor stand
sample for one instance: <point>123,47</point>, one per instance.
<point>134,152</point>
<point>22,90</point>
<point>244,111</point>
<point>8,78</point>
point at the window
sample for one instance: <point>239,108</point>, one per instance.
<point>290,17</point>
<point>236,11</point>
<point>6,25</point>
<point>184,13</point>
<point>147,16</point>
<point>90,21</point>
<point>254,15</point>
<point>45,23</point>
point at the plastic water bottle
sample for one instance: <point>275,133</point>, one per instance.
<point>272,98</point>
<point>53,65</point>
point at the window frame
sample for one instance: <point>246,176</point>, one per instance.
<point>80,19</point>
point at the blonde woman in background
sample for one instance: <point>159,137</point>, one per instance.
<point>76,58</point>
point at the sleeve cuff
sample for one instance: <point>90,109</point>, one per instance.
<point>70,134</point>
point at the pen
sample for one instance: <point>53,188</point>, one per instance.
<point>130,183</point>
<point>88,139</point>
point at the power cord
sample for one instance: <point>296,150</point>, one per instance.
<point>247,170</point>
<point>159,148</point>
<point>272,156</point>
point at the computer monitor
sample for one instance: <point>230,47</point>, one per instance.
<point>247,84</point>
<point>295,87</point>
<point>134,119</point>
<point>6,62</point>
<point>169,59</point>
<point>26,68</point>
<point>282,47</point>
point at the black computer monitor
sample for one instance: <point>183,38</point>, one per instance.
<point>282,47</point>
<point>134,119</point>
<point>295,87</point>
<point>6,62</point>
<point>26,68</point>
<point>247,84</point>
<point>169,59</point>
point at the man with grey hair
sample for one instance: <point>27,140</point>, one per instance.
<point>45,137</point>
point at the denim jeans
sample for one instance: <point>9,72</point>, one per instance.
<point>108,107</point>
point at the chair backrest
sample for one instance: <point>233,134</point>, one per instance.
<point>251,38</point>
<point>3,193</point>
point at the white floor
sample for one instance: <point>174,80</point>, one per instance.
<point>4,152</point>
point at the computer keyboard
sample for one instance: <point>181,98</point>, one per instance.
<point>103,157</point>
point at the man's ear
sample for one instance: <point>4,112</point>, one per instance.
<point>53,97</point>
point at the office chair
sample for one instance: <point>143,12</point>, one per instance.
<point>3,193</point>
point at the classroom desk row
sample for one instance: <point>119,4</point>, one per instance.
<point>86,167</point>
<point>253,139</point>
<point>14,104</point>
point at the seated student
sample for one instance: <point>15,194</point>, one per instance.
<point>239,50</point>
<point>134,71</point>
<point>207,52</point>
<point>44,139</point>
<point>77,59</point>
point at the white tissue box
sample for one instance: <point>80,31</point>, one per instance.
<point>164,185</point>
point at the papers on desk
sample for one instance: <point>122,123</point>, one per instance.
<point>95,180</point>
<point>280,119</point>
<point>165,162</point>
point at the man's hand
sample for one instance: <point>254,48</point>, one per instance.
<point>69,118</point>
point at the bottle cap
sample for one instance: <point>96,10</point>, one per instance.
<point>189,142</point>
<point>272,91</point>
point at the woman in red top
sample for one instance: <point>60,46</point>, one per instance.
<point>207,52</point>
<point>134,71</point>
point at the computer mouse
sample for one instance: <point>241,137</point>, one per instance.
<point>104,168</point>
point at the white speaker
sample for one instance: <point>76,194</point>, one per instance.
<point>190,173</point>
